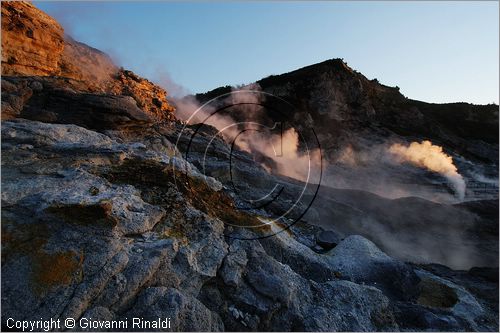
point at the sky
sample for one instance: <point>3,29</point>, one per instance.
<point>434,51</point>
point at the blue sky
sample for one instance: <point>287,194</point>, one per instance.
<point>434,51</point>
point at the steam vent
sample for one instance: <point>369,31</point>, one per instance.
<point>314,200</point>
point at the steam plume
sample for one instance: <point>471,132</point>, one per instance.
<point>282,149</point>
<point>432,157</point>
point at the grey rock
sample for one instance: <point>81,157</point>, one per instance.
<point>359,260</point>
<point>126,252</point>
<point>286,301</point>
<point>358,308</point>
<point>186,313</point>
<point>94,111</point>
<point>462,305</point>
<point>234,265</point>
<point>97,313</point>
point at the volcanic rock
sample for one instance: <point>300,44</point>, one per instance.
<point>32,41</point>
<point>44,100</point>
<point>104,216</point>
<point>34,44</point>
<point>327,239</point>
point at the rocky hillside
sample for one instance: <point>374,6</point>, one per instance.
<point>354,118</point>
<point>340,103</point>
<point>105,215</point>
<point>409,211</point>
<point>34,44</point>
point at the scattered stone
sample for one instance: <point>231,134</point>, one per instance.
<point>327,239</point>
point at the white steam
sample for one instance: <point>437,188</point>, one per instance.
<point>282,148</point>
<point>431,157</point>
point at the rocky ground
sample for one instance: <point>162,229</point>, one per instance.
<point>96,226</point>
<point>105,216</point>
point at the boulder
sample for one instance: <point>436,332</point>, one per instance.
<point>359,260</point>
<point>327,239</point>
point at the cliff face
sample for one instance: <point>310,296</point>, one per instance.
<point>34,44</point>
<point>32,41</point>
<point>105,216</point>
